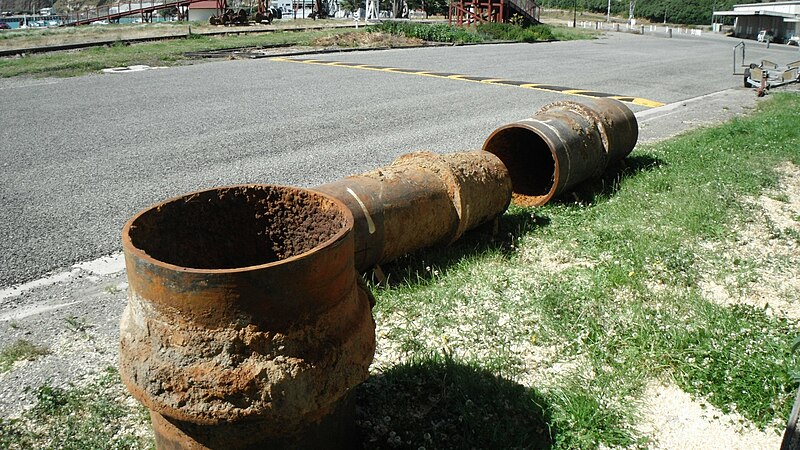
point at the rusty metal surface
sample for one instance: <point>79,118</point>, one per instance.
<point>336,431</point>
<point>547,155</point>
<point>246,325</point>
<point>563,145</point>
<point>616,122</point>
<point>420,200</point>
<point>243,307</point>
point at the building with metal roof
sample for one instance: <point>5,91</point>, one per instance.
<point>782,19</point>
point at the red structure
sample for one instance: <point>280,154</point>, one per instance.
<point>114,12</point>
<point>469,12</point>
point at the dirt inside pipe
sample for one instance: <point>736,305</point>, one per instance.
<point>529,161</point>
<point>238,226</point>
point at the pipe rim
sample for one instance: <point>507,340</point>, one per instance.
<point>129,248</point>
<point>517,197</point>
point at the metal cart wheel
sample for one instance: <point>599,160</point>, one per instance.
<point>791,437</point>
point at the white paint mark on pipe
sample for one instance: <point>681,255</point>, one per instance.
<point>370,223</point>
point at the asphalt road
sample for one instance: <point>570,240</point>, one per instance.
<point>82,155</point>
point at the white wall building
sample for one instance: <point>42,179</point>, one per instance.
<point>781,18</point>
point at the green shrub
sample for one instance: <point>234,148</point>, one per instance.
<point>428,32</point>
<point>509,32</point>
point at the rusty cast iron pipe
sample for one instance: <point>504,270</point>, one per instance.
<point>563,145</point>
<point>420,200</point>
<point>245,325</point>
<point>615,122</point>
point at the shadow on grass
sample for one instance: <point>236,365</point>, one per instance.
<point>594,190</point>
<point>497,237</point>
<point>439,403</point>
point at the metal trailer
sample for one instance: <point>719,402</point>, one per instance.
<point>767,75</point>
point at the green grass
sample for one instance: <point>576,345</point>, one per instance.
<point>428,32</point>
<point>91,417</point>
<point>481,33</point>
<point>164,53</point>
<point>18,351</point>
<point>592,298</point>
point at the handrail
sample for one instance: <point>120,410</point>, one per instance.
<point>98,13</point>
<point>528,8</point>
<point>740,44</point>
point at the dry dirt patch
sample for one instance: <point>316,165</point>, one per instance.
<point>676,421</point>
<point>770,244</point>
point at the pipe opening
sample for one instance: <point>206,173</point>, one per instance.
<point>238,226</point>
<point>529,161</point>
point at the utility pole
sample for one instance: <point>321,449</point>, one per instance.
<point>608,13</point>
<point>631,9</point>
<point>713,10</point>
<point>574,13</point>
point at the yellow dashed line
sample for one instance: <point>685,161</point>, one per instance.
<point>646,102</point>
<point>494,81</point>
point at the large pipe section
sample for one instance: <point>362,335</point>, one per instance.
<point>564,144</point>
<point>245,325</point>
<point>420,200</point>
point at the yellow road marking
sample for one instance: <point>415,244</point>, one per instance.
<point>493,81</point>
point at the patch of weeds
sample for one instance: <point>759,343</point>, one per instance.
<point>780,197</point>
<point>792,234</point>
<point>679,267</point>
<point>584,420</point>
<point>91,417</point>
<point>361,38</point>
<point>112,289</point>
<point>509,32</point>
<point>19,350</point>
<point>737,359</point>
<point>77,324</point>
<point>574,34</point>
<point>428,32</point>
<point>745,272</point>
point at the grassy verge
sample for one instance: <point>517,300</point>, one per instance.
<point>168,53</point>
<point>587,301</point>
<point>165,53</point>
<point>98,416</point>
